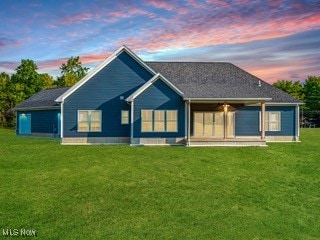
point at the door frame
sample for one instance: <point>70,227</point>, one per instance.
<point>225,122</point>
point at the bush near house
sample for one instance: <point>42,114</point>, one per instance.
<point>122,192</point>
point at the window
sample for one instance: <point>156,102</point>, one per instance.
<point>83,121</point>
<point>172,121</point>
<point>125,117</point>
<point>272,121</point>
<point>146,120</point>
<point>89,121</point>
<point>159,120</point>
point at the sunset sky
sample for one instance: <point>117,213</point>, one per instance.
<point>271,39</point>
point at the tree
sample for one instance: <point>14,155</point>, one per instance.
<point>23,84</point>
<point>8,98</point>
<point>295,89</point>
<point>71,72</point>
<point>46,80</point>
<point>26,80</point>
<point>312,93</point>
<point>4,102</point>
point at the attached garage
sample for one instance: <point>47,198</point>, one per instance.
<point>40,115</point>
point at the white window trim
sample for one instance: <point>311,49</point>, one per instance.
<point>146,121</point>
<point>89,118</point>
<point>122,118</point>
<point>156,121</point>
<point>165,121</point>
<point>267,122</point>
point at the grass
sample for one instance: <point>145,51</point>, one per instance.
<point>122,192</point>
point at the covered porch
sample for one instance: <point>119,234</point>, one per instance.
<point>212,122</point>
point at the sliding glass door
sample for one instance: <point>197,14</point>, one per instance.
<point>211,124</point>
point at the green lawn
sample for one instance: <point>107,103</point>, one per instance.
<point>123,192</point>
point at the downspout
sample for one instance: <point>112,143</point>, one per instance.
<point>297,123</point>
<point>188,139</point>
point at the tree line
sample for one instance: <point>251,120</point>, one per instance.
<point>309,93</point>
<point>26,81</point>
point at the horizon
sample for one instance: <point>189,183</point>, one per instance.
<point>273,40</point>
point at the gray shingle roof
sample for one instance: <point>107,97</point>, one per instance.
<point>42,99</point>
<point>218,80</point>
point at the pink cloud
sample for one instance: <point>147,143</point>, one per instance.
<point>272,72</point>
<point>50,64</point>
<point>206,32</point>
<point>7,42</point>
<point>85,59</point>
<point>8,66</point>
<point>161,4</point>
<point>78,18</point>
<point>94,57</point>
<point>106,16</point>
<point>166,5</point>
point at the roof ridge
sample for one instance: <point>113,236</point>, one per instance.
<point>185,62</point>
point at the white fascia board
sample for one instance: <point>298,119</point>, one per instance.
<point>36,108</point>
<point>283,104</point>
<point>279,104</point>
<point>228,99</point>
<point>149,83</point>
<point>100,67</point>
<point>139,60</point>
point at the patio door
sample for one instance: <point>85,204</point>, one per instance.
<point>203,124</point>
<point>230,124</point>
<point>211,124</point>
<point>208,124</point>
<point>218,124</point>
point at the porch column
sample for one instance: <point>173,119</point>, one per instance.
<point>131,122</point>
<point>262,123</point>
<point>61,119</point>
<point>225,120</point>
<point>188,137</point>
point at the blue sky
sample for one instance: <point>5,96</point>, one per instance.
<point>270,39</point>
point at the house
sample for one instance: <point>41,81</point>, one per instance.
<point>125,100</point>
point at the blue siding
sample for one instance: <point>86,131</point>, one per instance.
<point>159,96</point>
<point>102,92</point>
<point>42,121</point>
<point>247,121</point>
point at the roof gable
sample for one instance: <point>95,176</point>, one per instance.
<point>100,67</point>
<point>145,86</point>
